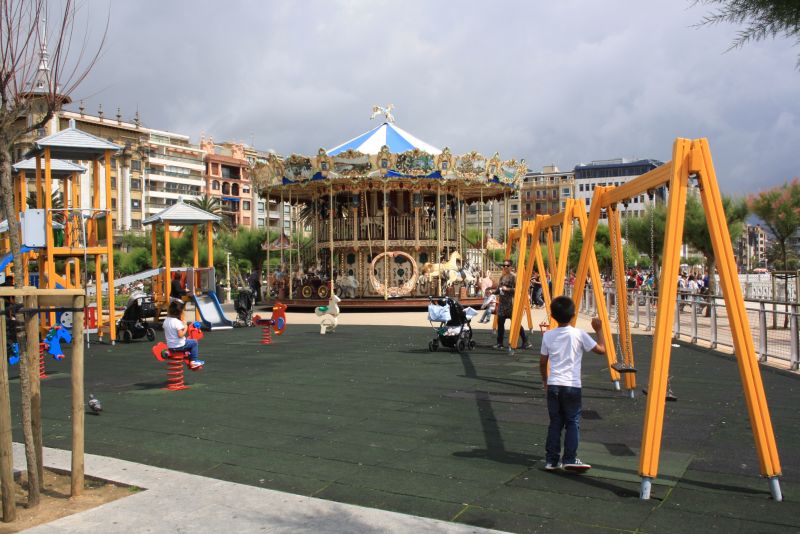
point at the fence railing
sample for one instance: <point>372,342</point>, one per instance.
<point>775,325</point>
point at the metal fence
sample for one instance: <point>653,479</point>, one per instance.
<point>774,324</point>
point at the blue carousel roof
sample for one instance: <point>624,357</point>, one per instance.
<point>397,139</point>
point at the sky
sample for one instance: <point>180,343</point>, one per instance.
<point>561,83</point>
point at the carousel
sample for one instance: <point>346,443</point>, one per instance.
<point>386,213</point>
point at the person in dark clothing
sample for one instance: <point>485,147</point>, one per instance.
<point>254,281</point>
<point>505,306</point>
<point>177,292</point>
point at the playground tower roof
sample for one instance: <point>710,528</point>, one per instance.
<point>180,214</point>
<point>58,167</point>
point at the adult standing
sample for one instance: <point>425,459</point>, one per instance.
<point>505,305</point>
<point>254,281</point>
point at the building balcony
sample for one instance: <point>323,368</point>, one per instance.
<point>195,164</point>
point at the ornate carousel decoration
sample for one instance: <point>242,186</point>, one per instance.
<point>378,206</point>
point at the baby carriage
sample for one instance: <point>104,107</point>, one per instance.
<point>244,307</point>
<point>133,324</point>
<point>453,328</point>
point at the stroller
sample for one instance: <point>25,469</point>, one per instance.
<point>133,324</point>
<point>453,328</point>
<point>244,307</point>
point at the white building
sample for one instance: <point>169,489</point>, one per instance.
<point>614,172</point>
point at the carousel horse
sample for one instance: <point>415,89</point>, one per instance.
<point>447,271</point>
<point>329,314</point>
<point>347,286</point>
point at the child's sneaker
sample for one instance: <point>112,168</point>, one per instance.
<point>196,364</point>
<point>577,466</point>
<point>552,466</point>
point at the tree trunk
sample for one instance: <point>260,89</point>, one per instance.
<point>7,189</point>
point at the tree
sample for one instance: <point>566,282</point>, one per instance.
<point>779,208</point>
<point>33,85</point>
<point>697,235</point>
<point>248,244</point>
<point>762,19</point>
<point>213,206</point>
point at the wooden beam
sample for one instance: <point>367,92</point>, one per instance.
<point>78,410</point>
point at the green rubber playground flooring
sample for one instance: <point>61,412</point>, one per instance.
<point>369,416</point>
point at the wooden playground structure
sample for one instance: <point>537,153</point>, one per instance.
<point>691,160</point>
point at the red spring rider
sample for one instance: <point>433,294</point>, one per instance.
<point>277,323</point>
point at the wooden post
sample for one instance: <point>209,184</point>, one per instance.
<point>154,258</point>
<point>167,264</point>
<point>195,264</point>
<point>112,322</point>
<point>76,486</point>
<point>6,459</point>
<point>210,243</point>
<point>32,349</point>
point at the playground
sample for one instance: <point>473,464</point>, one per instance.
<point>388,424</point>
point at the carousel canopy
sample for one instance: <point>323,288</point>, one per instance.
<point>389,135</point>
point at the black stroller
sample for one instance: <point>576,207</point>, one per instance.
<point>133,324</point>
<point>244,307</point>
<point>453,330</point>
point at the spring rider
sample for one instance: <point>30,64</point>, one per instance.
<point>176,358</point>
<point>329,315</point>
<point>276,322</point>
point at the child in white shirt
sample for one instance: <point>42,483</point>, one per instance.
<point>175,331</point>
<point>563,349</point>
<point>488,305</point>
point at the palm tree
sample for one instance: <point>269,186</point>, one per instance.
<point>56,202</point>
<point>213,206</point>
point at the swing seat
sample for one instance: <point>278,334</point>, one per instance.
<point>623,368</point>
<point>669,398</point>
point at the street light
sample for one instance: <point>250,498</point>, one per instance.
<point>227,277</point>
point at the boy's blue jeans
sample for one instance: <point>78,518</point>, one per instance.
<point>564,406</point>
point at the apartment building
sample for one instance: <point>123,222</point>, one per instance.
<point>545,192</point>
<point>175,170</point>
<point>227,179</point>
<point>615,172</point>
<point>751,248</point>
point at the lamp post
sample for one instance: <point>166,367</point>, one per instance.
<point>227,277</point>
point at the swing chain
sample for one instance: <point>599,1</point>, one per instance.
<point>613,220</point>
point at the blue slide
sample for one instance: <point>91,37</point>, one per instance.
<point>8,258</point>
<point>211,314</point>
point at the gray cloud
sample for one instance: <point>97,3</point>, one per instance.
<point>562,82</point>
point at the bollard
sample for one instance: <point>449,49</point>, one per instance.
<point>762,332</point>
<point>42,370</point>
<point>676,325</point>
<point>649,305</point>
<point>713,303</point>
<point>795,357</point>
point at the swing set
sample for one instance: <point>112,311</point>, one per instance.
<point>620,359</point>
<point>691,159</point>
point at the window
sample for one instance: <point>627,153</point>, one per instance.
<point>245,189</point>
<point>113,203</point>
<point>235,190</point>
<point>136,224</point>
<point>261,207</point>
<point>226,188</point>
<point>136,204</point>
<point>136,165</point>
<point>565,192</point>
<point>136,184</point>
<point>246,205</point>
<point>215,185</point>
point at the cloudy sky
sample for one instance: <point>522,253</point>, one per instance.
<point>553,82</point>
